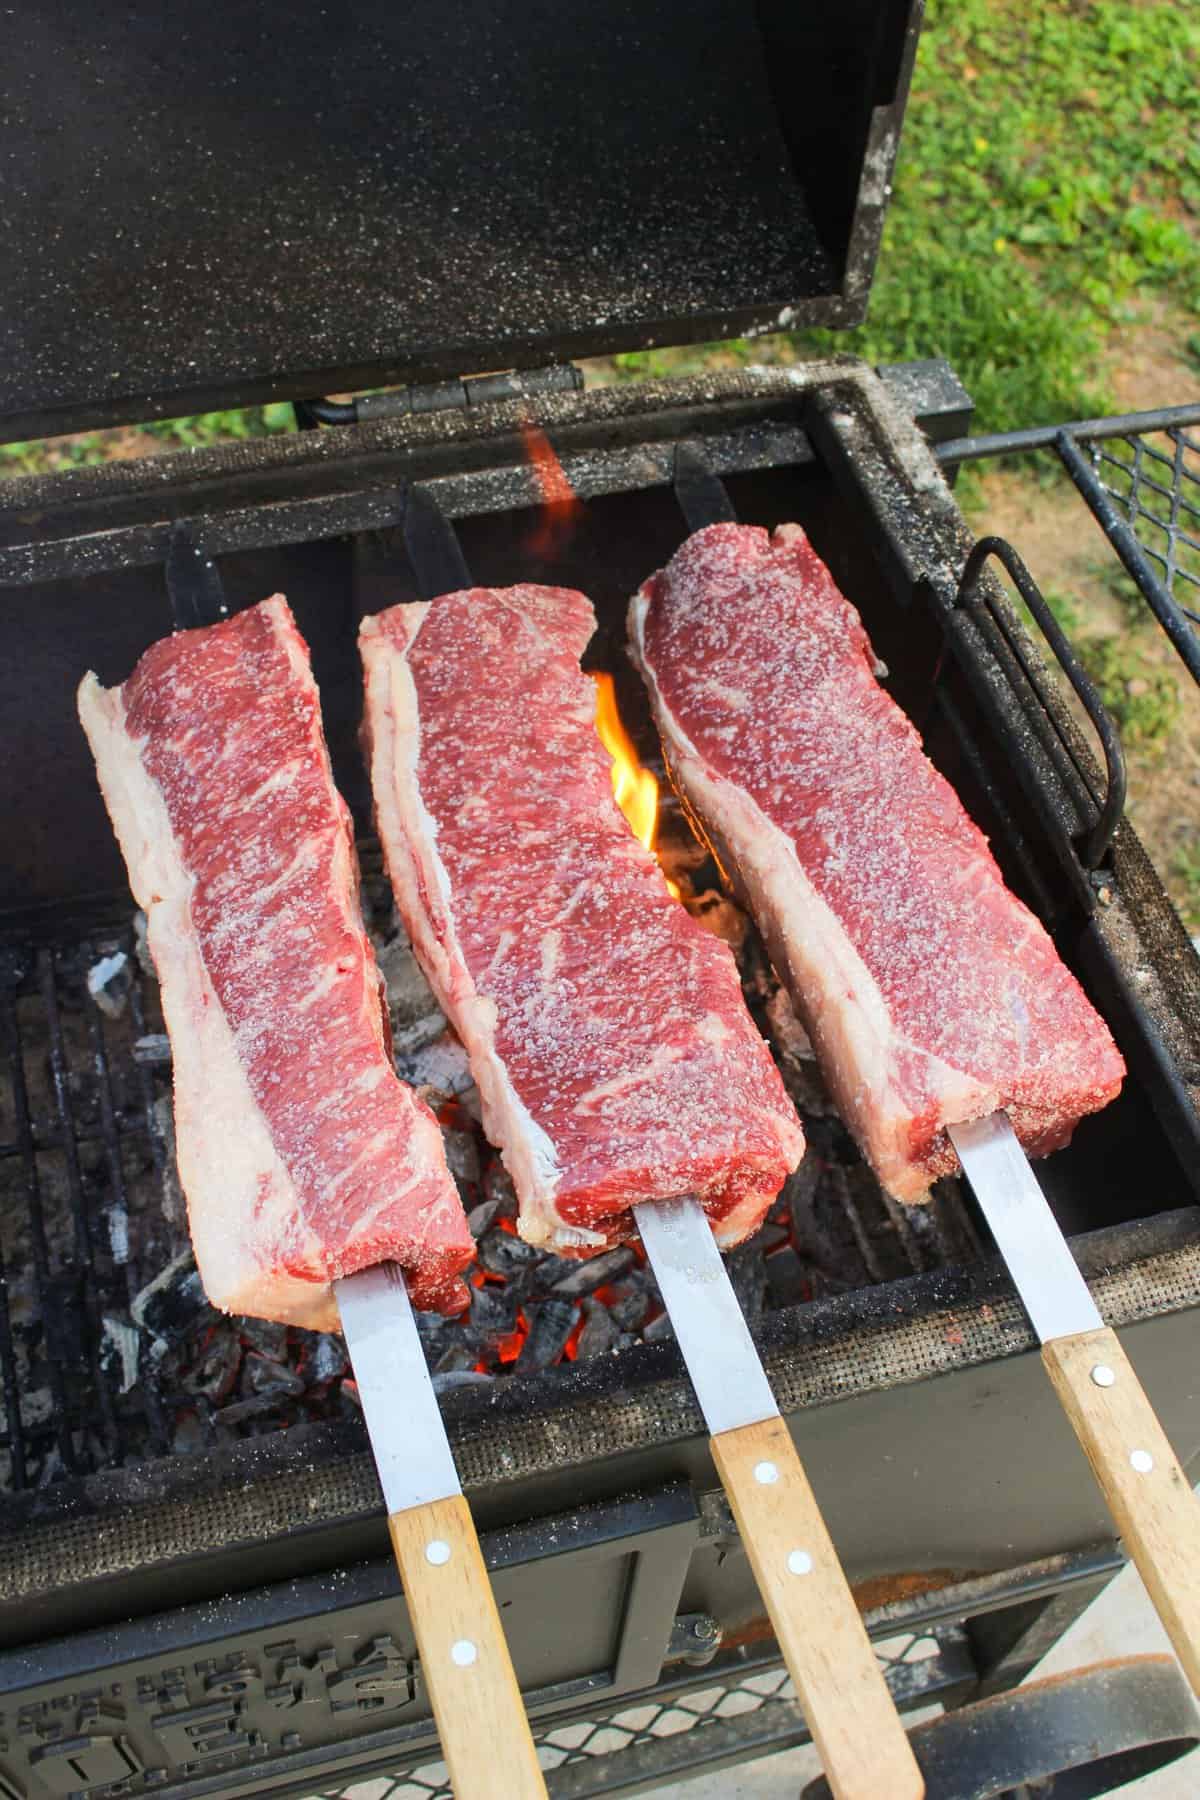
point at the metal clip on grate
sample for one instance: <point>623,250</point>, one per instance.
<point>1111,807</point>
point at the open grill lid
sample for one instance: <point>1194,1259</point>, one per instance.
<point>210,206</point>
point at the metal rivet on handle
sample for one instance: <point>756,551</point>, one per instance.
<point>1142,1461</point>
<point>437,1551</point>
<point>800,1562</point>
<point>1103,1376</point>
<point>766,1472</point>
<point>463,1653</point>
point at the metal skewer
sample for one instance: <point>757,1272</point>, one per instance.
<point>850,1712</point>
<point>1148,1494</point>
<point>846,1701</point>
<point>465,1665</point>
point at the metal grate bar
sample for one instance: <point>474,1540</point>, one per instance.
<point>84,1247</point>
<point>909,1242</point>
<point>147,1376</point>
<point>14,1434</point>
<point>858,1225</point>
<point>110,1131</point>
<point>45,1138</point>
<point>1140,482</point>
<point>1179,473</point>
<point>39,1248</point>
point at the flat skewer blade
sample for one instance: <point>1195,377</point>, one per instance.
<point>404,1422</point>
<point>730,1382</point>
<point>1045,1274</point>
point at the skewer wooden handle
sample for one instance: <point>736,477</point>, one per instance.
<point>1148,1494</point>
<point>465,1664</point>
<point>846,1702</point>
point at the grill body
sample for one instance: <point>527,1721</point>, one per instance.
<point>228,1621</point>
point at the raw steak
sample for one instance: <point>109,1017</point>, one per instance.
<point>931,994</point>
<point>607,1032</point>
<point>303,1157</point>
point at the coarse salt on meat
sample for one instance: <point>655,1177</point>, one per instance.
<point>302,1155</point>
<point>931,994</point>
<point>613,1052</point>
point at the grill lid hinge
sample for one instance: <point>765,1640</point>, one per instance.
<point>441,396</point>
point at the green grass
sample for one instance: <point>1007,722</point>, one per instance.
<point>206,428</point>
<point>1048,185</point>
<point>41,456</point>
<point>1049,180</point>
<point>1141,695</point>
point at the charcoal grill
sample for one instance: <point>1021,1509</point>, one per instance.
<point>191,1605</point>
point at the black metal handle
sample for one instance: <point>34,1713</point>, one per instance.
<point>702,495</point>
<point>193,582</point>
<point>433,547</point>
<point>1110,809</point>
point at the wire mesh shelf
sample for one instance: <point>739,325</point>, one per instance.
<point>1155,481</point>
<point>752,1709</point>
<point>1140,475</point>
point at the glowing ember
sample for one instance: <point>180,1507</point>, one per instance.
<point>634,788</point>
<point>560,503</point>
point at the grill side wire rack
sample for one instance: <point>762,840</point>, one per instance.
<point>1155,482</point>
<point>1140,476</point>
<point>748,1708</point>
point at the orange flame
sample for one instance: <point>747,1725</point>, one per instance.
<point>634,788</point>
<point>561,505</point>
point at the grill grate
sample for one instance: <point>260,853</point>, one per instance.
<point>1155,481</point>
<point>752,1707</point>
<point>91,1214</point>
<point>73,1122</point>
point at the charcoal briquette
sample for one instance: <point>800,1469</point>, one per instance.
<point>600,1331</point>
<point>787,1279</point>
<point>630,1305</point>
<point>266,1336</point>
<point>500,1253</point>
<point>498,1186</point>
<point>550,1326</point>
<point>449,1381</point>
<point>493,1311</point>
<point>215,1372</point>
<point>593,1272</point>
<point>462,1156</point>
<point>480,1217</point>
<point>328,1360</point>
<point>173,1303</point>
<point>262,1375</point>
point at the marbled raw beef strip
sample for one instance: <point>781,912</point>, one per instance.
<point>607,1031</point>
<point>931,994</point>
<point>302,1155</point>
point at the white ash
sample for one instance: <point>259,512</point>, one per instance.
<point>118,1234</point>
<point>173,1204</point>
<point>109,982</point>
<point>141,946</point>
